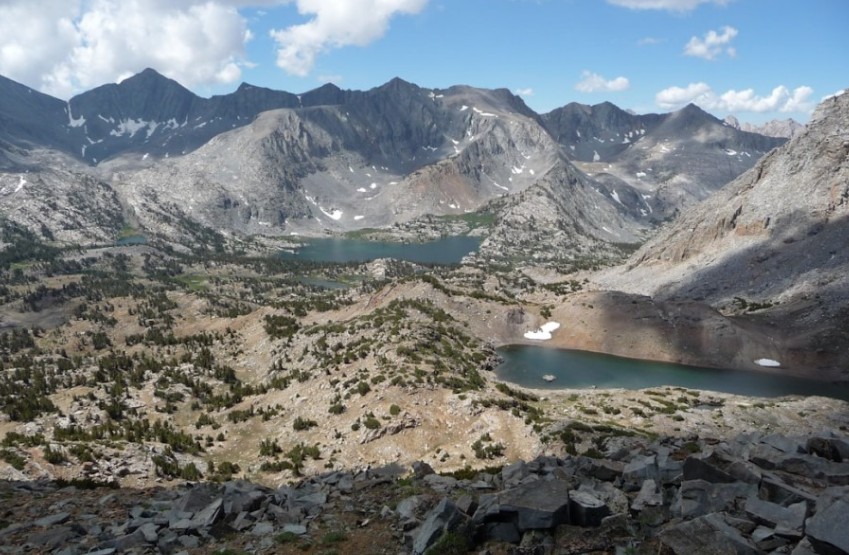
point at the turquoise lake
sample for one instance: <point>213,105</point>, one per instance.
<point>448,250</point>
<point>526,365</point>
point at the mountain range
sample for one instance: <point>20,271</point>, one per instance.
<point>154,156</point>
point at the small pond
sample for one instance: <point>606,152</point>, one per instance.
<point>448,250</point>
<point>131,240</point>
<point>526,365</point>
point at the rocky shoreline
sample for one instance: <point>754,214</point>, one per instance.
<point>754,493</point>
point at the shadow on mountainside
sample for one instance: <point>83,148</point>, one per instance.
<point>786,297</point>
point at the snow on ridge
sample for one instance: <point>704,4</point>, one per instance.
<point>544,332</point>
<point>615,196</point>
<point>72,122</point>
<point>129,127</point>
<point>334,215</point>
<point>484,114</point>
<point>767,363</point>
<point>21,183</point>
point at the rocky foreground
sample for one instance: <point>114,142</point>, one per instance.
<point>752,494</point>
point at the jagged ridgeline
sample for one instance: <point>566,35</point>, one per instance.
<point>258,162</point>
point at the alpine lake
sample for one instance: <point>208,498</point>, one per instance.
<point>526,365</point>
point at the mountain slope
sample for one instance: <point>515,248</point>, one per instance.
<point>770,244</point>
<point>663,162</point>
<point>386,155</point>
<point>28,119</point>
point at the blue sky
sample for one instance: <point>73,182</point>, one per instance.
<point>756,59</point>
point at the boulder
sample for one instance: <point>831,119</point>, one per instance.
<point>210,514</point>
<point>539,505</point>
<point>53,520</point>
<point>698,497</point>
<point>585,509</point>
<point>649,496</point>
<point>603,469</point>
<point>828,529</point>
<point>640,469</point>
<point>772,488</point>
<point>766,539</point>
<point>832,448</point>
<point>787,521</point>
<point>702,469</point>
<point>422,469</point>
<point>706,535</point>
<point>445,517</point>
<point>804,547</point>
<point>195,499</point>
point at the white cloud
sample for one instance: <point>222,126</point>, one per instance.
<point>524,92</point>
<point>833,95</point>
<point>63,46</point>
<point>713,44</point>
<point>650,41</point>
<point>593,82</point>
<point>670,5</point>
<point>335,24</point>
<point>781,99</point>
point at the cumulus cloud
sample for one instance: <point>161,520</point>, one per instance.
<point>335,24</point>
<point>593,82</point>
<point>670,5</point>
<point>781,99</point>
<point>713,44</point>
<point>524,92</point>
<point>63,46</point>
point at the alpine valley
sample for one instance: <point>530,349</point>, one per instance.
<point>153,339</point>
